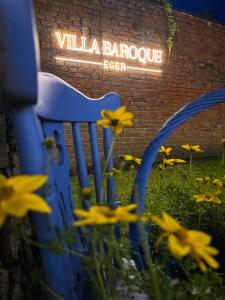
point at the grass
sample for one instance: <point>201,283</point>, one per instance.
<point>173,192</point>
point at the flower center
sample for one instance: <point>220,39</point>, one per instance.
<point>5,192</point>
<point>109,214</point>
<point>115,122</point>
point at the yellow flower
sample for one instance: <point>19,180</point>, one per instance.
<point>196,244</point>
<point>98,215</point>
<point>208,197</point>
<point>218,182</point>
<point>192,148</point>
<point>165,151</point>
<point>173,161</point>
<point>205,179</point>
<point>183,242</point>
<point>116,119</point>
<point>168,162</point>
<point>16,196</point>
<point>49,142</point>
<point>160,167</point>
<point>223,142</point>
<point>113,172</point>
<point>129,157</point>
<point>167,223</point>
<point>199,179</point>
<point>179,161</point>
<point>86,192</point>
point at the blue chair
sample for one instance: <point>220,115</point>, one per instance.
<point>39,104</point>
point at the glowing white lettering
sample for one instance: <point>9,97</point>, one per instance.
<point>120,50</point>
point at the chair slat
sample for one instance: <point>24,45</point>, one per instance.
<point>96,160</point>
<point>80,158</point>
<point>111,185</point>
<point>60,170</point>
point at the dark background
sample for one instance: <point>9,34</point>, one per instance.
<point>209,9</point>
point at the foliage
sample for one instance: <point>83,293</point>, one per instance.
<point>173,28</point>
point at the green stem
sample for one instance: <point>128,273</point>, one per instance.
<point>223,157</point>
<point>163,167</point>
<point>104,169</point>
<point>97,266</point>
<point>199,219</point>
<point>149,261</point>
<point>51,291</point>
<point>190,163</point>
<point>71,252</point>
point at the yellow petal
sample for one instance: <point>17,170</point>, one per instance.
<point>177,248</point>
<point>202,265</point>
<point>107,114</point>
<point>199,237</point>
<point>171,224</point>
<point>83,222</point>
<point>117,129</point>
<point>3,180</point>
<point>128,157</point>
<point>162,149</point>
<point>126,116</point>
<point>120,111</point>
<point>24,184</point>
<point>186,147</point>
<point>127,123</point>
<point>35,203</point>
<point>209,259</point>
<point>81,212</point>
<point>212,250</point>
<point>105,123</point>
<point>128,207</point>
<point>14,208</point>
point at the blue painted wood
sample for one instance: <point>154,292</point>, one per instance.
<point>59,101</point>
<point>66,204</point>
<point>80,159</point>
<point>33,161</point>
<point>56,102</point>
<point>96,160</point>
<point>180,117</point>
<point>19,51</point>
<point>112,197</point>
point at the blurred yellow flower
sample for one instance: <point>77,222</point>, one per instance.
<point>223,142</point>
<point>205,179</point>
<point>179,161</point>
<point>167,223</point>
<point>17,197</point>
<point>208,197</point>
<point>98,215</point>
<point>86,192</point>
<point>168,162</point>
<point>116,119</point>
<point>173,161</point>
<point>183,242</point>
<point>165,151</point>
<point>129,157</point>
<point>192,148</point>
<point>113,172</point>
<point>218,182</point>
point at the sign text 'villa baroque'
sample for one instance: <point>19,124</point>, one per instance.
<point>111,53</point>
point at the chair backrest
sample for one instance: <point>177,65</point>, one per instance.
<point>184,114</point>
<point>37,117</point>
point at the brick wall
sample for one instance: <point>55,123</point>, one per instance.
<point>196,66</point>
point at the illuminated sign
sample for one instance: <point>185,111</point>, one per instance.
<point>115,55</point>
